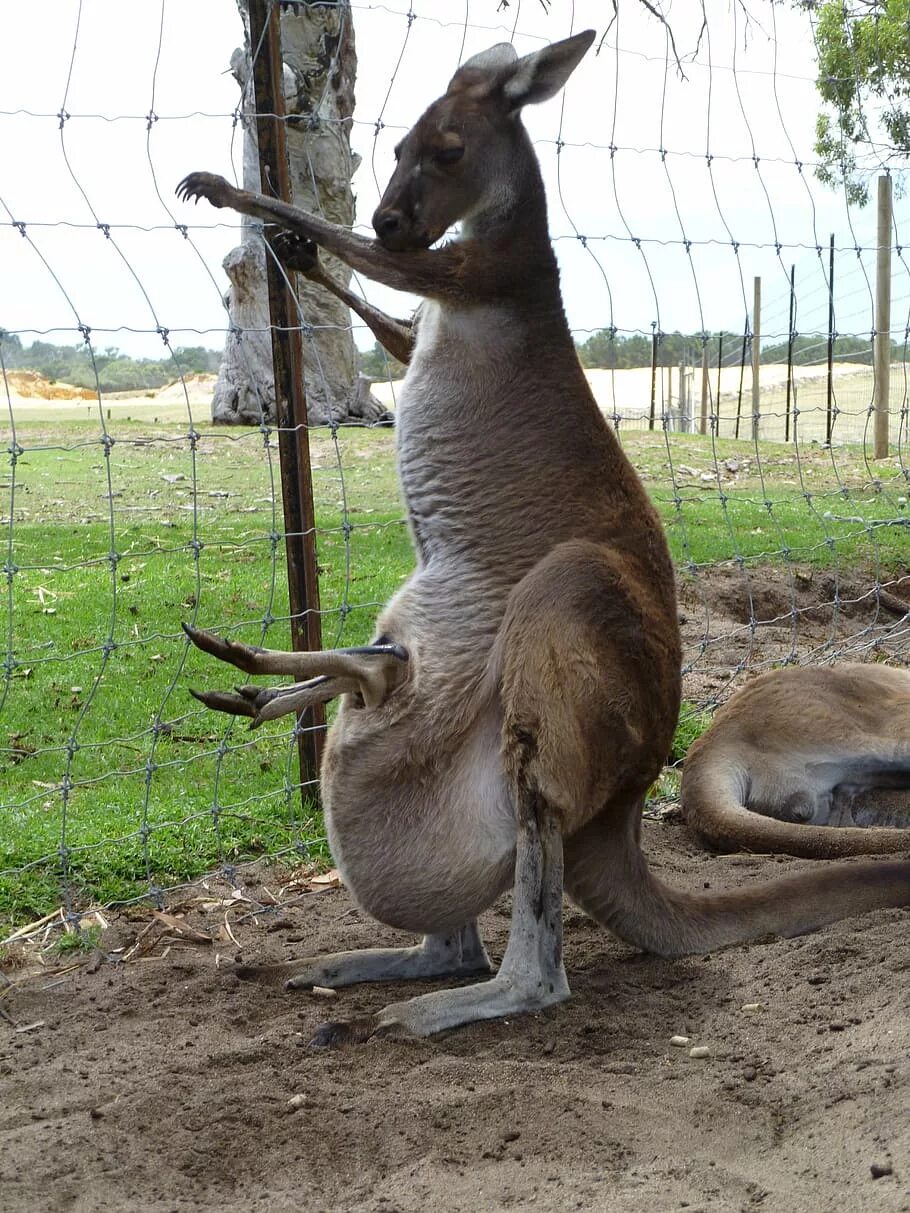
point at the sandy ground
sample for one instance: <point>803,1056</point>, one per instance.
<point>32,398</point>
<point>156,1081</point>
<point>627,393</point>
<point>163,1083</point>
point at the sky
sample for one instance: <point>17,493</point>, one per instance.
<point>668,192</point>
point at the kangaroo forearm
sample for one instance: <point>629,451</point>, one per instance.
<point>397,336</point>
<point>434,273</point>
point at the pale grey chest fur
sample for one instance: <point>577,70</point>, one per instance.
<point>458,392</point>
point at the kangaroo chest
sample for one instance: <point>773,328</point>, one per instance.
<point>452,434</point>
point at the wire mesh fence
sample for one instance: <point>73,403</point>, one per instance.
<point>673,185</point>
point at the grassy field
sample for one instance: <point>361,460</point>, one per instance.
<point>112,779</point>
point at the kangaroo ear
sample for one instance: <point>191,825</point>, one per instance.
<point>494,59</point>
<point>540,76</point>
<point>524,81</point>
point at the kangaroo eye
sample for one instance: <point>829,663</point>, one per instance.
<point>448,155</point>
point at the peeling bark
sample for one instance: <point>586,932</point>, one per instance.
<point>320,64</point>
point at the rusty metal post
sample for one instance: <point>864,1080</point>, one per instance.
<point>287,361</point>
<point>791,337</point>
<point>756,358</point>
<point>720,363</point>
<point>652,412</point>
<point>742,376</point>
<point>829,408</point>
<point>882,340</point>
<point>705,390</point>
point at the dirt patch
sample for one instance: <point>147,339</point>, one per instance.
<point>164,1083</point>
<point>738,621</point>
<point>29,385</point>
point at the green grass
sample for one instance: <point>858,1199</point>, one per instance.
<point>112,779</point>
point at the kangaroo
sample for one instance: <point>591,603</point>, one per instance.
<point>523,687</point>
<point>799,751</point>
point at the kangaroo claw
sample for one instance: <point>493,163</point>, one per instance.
<point>210,186</point>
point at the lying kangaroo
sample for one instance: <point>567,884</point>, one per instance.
<point>799,751</point>
<point>523,688</point>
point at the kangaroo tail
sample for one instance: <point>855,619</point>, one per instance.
<point>712,803</point>
<point>608,876</point>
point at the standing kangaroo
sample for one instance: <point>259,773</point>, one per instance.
<point>523,689</point>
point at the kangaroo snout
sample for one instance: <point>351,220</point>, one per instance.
<point>396,232</point>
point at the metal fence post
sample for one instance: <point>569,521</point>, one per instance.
<point>791,337</point>
<point>829,404</point>
<point>654,341</point>
<point>705,390</point>
<point>287,359</point>
<point>756,358</point>
<point>882,343</point>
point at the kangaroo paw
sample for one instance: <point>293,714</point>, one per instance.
<point>210,186</point>
<point>295,252</point>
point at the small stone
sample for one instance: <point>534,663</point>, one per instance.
<point>751,1006</point>
<point>323,992</point>
<point>837,1026</point>
<point>750,1073</point>
<point>297,1101</point>
<point>679,1042</point>
<point>512,1135</point>
<point>880,1169</point>
<point>699,1052</point>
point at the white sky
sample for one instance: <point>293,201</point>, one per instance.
<point>106,166</point>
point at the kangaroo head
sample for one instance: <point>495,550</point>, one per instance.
<point>467,154</point>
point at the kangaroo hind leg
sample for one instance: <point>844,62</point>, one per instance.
<point>588,682</point>
<point>561,747</point>
<point>371,671</point>
<point>531,975</point>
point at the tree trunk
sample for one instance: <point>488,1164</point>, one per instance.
<point>319,69</point>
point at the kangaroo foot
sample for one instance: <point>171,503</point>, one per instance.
<point>457,954</point>
<point>505,994</point>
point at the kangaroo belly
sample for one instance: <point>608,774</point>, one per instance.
<point>427,845</point>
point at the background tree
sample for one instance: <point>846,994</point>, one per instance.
<point>864,85</point>
<point>320,63</point>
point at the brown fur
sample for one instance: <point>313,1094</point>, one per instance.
<point>797,761</point>
<point>539,688</point>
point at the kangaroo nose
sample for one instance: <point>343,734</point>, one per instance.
<point>388,224</point>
